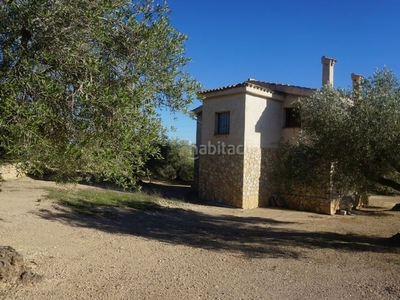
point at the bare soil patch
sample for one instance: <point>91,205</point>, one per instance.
<point>193,251</point>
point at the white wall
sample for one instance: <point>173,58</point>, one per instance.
<point>263,122</point>
<point>235,104</point>
<point>255,118</point>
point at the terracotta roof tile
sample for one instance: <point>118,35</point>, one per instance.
<point>273,85</point>
<point>257,84</point>
<point>241,84</point>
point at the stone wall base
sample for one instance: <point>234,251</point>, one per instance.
<point>310,203</point>
<point>221,179</point>
<point>245,181</point>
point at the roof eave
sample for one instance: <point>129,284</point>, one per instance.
<point>198,110</point>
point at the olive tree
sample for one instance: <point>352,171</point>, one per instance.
<point>81,82</point>
<point>174,162</point>
<point>353,134</point>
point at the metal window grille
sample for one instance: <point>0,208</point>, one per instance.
<point>222,123</point>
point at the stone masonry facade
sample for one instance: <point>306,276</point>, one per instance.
<point>314,201</point>
<point>244,181</point>
<point>221,178</point>
<point>239,180</point>
<point>251,177</point>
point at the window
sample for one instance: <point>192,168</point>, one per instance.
<point>222,122</point>
<point>292,118</point>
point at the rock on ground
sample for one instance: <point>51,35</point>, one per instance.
<point>12,267</point>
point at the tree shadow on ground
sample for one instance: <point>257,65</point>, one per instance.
<point>248,236</point>
<point>372,213</point>
<point>175,191</point>
<point>170,191</point>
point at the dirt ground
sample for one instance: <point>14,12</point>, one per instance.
<point>194,251</point>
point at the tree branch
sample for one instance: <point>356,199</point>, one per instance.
<point>389,183</point>
<point>395,165</point>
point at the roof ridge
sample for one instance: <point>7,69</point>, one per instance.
<point>257,84</point>
<point>240,84</point>
<point>280,84</point>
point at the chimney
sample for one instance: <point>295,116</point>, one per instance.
<point>327,70</point>
<point>355,79</point>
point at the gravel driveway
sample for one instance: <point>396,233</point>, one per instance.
<point>192,251</point>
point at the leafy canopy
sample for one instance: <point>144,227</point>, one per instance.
<point>353,133</point>
<point>174,162</point>
<point>81,82</point>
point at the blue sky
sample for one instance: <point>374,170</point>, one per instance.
<point>283,41</point>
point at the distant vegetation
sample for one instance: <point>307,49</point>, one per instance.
<point>174,162</point>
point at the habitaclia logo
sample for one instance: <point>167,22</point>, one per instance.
<point>217,149</point>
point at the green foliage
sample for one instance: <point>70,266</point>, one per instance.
<point>355,131</point>
<point>175,162</point>
<point>299,165</point>
<point>81,82</point>
<point>86,201</point>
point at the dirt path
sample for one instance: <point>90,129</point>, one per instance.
<point>189,251</point>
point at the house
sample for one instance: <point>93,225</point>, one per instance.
<point>238,127</point>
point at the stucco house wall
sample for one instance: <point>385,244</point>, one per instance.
<point>223,102</point>
<point>263,122</point>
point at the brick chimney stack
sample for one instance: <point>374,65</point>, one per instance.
<point>355,79</point>
<point>327,70</point>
